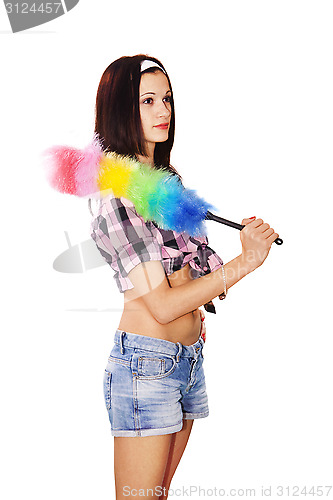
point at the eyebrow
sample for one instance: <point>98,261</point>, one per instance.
<point>153,93</point>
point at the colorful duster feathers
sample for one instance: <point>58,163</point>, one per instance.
<point>157,194</point>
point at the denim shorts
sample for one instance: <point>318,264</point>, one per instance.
<point>151,385</point>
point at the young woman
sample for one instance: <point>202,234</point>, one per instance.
<point>154,382</point>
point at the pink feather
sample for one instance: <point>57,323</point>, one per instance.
<point>87,169</point>
<point>74,171</point>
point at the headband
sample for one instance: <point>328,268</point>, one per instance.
<point>147,63</point>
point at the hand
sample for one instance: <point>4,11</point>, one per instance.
<point>203,326</point>
<point>257,238</point>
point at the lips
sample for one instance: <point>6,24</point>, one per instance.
<point>162,126</point>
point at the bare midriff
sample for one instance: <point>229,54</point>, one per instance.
<point>136,317</point>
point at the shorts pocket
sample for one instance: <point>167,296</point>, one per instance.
<point>107,389</point>
<point>155,366</point>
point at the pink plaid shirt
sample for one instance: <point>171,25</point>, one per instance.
<point>125,240</point>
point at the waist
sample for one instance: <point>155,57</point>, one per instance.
<point>138,320</point>
<point>128,339</point>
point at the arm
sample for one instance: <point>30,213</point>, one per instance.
<point>166,304</point>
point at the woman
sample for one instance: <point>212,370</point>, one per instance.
<point>154,382</point>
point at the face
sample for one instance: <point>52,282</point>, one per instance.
<point>155,106</point>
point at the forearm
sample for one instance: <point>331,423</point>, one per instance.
<point>167,304</point>
<point>185,298</point>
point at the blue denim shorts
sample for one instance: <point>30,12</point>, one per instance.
<point>151,385</point>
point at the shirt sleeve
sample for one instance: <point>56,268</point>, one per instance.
<point>123,238</point>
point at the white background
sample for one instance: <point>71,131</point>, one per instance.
<point>252,83</point>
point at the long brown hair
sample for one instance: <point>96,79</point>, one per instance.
<point>117,113</point>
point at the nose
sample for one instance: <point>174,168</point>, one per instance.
<point>164,109</point>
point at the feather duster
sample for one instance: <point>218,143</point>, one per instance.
<point>157,194</point>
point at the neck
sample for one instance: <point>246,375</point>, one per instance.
<point>145,159</point>
<point>150,147</point>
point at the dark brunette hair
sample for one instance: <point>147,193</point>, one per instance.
<point>117,112</point>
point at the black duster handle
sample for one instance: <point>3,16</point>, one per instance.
<point>216,218</point>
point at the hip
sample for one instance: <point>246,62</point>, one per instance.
<point>151,385</point>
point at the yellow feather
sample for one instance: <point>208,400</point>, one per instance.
<point>114,174</point>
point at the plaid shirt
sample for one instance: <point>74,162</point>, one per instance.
<point>125,240</point>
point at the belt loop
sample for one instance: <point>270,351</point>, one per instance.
<point>121,342</point>
<point>179,351</point>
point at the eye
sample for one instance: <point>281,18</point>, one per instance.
<point>149,100</point>
<point>167,98</point>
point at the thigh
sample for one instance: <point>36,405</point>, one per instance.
<point>178,444</point>
<point>140,464</point>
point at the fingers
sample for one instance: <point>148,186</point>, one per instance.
<point>260,228</point>
<point>269,234</point>
<point>203,326</point>
<point>247,221</point>
<point>259,224</point>
<point>252,222</point>
<point>272,238</point>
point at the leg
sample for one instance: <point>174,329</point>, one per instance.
<point>178,444</point>
<point>139,464</point>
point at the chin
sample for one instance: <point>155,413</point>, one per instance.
<point>162,136</point>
